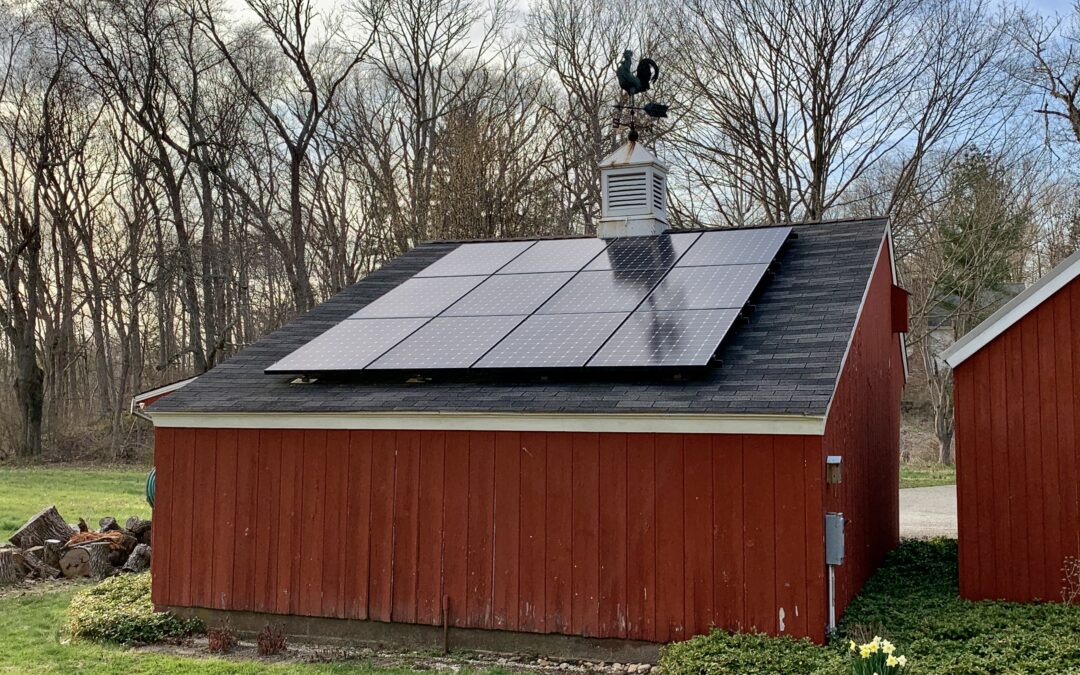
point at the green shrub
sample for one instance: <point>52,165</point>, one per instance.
<point>119,610</point>
<point>914,601</point>
<point>721,653</point>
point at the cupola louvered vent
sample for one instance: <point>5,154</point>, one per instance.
<point>628,190</point>
<point>634,193</point>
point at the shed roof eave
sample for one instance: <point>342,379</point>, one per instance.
<point>1012,311</point>
<point>689,423</point>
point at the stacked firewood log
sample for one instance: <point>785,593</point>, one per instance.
<point>47,547</point>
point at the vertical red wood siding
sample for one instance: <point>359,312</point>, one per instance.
<point>645,536</point>
<point>863,427</point>
<point>1017,455</point>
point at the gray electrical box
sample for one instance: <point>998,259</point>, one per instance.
<point>834,539</point>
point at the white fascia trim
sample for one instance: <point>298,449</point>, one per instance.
<point>783,425</point>
<point>1014,310</point>
<point>164,389</point>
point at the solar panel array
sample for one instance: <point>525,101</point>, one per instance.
<point>668,300</point>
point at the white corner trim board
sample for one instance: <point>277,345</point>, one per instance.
<point>1014,310</point>
<point>784,425</point>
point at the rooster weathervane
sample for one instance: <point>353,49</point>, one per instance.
<point>633,82</point>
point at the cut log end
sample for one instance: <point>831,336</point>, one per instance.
<point>75,563</point>
<point>45,525</point>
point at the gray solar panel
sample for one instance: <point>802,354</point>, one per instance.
<point>420,297</point>
<point>679,338</point>
<point>555,255</point>
<point>447,342</point>
<point>350,345</point>
<point>715,287</point>
<point>603,291</point>
<point>632,253</point>
<point>467,259</point>
<point>736,247</point>
<point>553,341</point>
<point>509,294</point>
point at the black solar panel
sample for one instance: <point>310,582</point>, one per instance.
<point>553,341</point>
<point>350,345</point>
<point>555,255</point>
<point>736,247</point>
<point>715,287</point>
<point>447,342</point>
<point>679,338</point>
<point>469,259</point>
<point>643,301</point>
<point>603,291</point>
<point>509,294</point>
<point>420,297</point>
<point>631,253</point>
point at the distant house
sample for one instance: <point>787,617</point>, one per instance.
<point>1017,399</point>
<point>563,445</point>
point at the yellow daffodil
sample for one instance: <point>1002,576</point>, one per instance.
<point>892,661</point>
<point>851,646</point>
<point>864,651</point>
<point>874,647</point>
<point>888,647</point>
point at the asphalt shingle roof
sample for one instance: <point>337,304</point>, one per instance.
<point>786,360</point>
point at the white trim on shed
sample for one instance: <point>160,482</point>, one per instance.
<point>1014,310</point>
<point>696,423</point>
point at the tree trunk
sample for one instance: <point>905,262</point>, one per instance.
<point>89,560</point>
<point>46,525</point>
<point>12,570</point>
<point>75,563</point>
<point>32,559</point>
<point>30,395</point>
<point>51,552</point>
<point>101,560</point>
<point>301,282</point>
<point>139,560</point>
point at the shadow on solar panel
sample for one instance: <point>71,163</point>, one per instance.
<point>643,252</point>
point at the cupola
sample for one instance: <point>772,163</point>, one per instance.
<point>633,188</point>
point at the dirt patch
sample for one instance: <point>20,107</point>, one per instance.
<point>36,587</point>
<point>454,662</point>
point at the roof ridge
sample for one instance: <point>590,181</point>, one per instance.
<point>870,220</point>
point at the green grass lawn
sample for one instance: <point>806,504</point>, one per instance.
<point>926,475</point>
<point>78,492</point>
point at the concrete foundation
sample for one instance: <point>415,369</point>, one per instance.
<point>405,636</point>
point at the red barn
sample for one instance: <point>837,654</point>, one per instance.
<point>543,504</point>
<point>1017,398</point>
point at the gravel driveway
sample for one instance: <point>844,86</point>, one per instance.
<point>928,512</point>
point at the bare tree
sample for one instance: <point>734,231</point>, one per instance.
<point>320,60</point>
<point>1052,48</point>
<point>795,101</point>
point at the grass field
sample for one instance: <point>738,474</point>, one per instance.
<point>926,475</point>
<point>90,493</point>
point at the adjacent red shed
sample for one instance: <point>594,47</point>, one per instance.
<point>1017,399</point>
